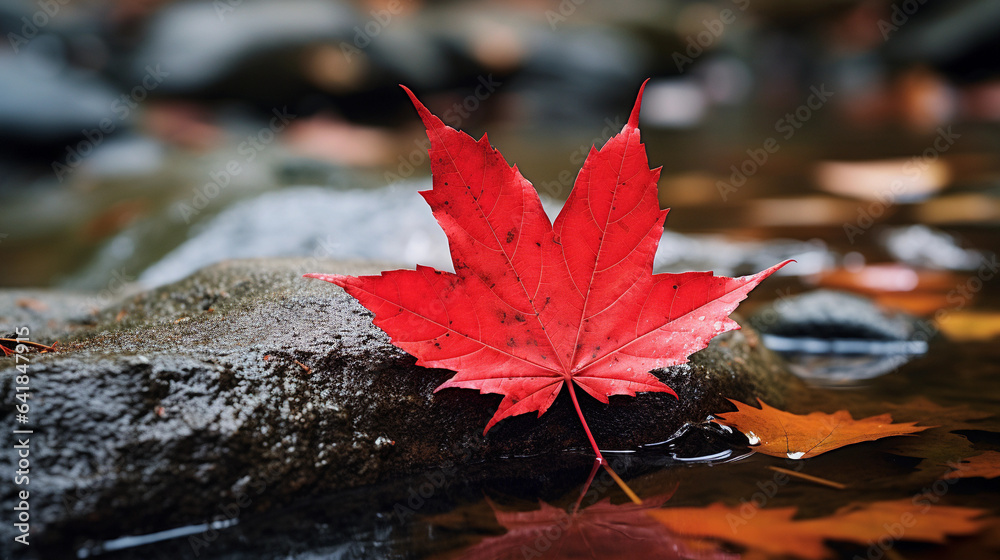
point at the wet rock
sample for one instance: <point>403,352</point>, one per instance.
<point>839,338</point>
<point>247,376</point>
<point>830,314</point>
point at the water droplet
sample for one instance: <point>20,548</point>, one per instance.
<point>718,326</point>
<point>754,440</point>
<point>796,455</point>
<point>702,318</point>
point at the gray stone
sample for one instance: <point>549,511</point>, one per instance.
<point>197,43</point>
<point>183,398</point>
<point>833,315</point>
<point>378,224</point>
<point>44,101</point>
<point>839,338</point>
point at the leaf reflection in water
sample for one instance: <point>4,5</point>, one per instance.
<point>603,530</point>
<point>600,531</point>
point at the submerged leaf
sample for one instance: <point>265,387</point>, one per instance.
<point>783,434</point>
<point>986,465</point>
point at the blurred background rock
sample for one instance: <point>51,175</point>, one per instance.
<point>140,141</point>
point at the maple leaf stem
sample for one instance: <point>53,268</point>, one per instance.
<point>600,458</point>
<point>586,428</point>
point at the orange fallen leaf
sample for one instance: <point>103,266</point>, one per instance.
<point>775,531</point>
<point>783,434</point>
<point>986,465</point>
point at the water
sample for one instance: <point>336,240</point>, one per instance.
<point>462,513</point>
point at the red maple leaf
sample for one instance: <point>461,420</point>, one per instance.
<point>533,306</point>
